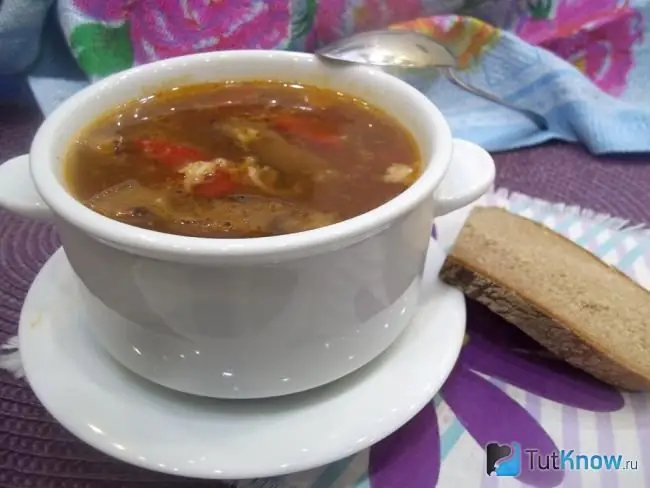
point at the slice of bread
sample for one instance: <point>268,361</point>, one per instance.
<point>564,297</point>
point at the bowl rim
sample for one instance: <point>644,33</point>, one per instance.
<point>174,247</point>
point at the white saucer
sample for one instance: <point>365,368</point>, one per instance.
<point>147,425</point>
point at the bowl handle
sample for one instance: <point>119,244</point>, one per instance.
<point>17,191</point>
<point>469,176</point>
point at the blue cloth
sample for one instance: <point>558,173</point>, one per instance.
<point>21,22</point>
<point>533,78</point>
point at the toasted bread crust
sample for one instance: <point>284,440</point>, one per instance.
<point>562,339</point>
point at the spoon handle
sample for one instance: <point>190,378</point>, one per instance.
<point>535,117</point>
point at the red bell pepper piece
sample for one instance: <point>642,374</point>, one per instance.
<point>218,185</point>
<point>309,128</point>
<point>170,154</point>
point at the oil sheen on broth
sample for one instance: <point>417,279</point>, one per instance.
<point>240,160</point>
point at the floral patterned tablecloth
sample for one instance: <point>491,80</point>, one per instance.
<point>604,40</point>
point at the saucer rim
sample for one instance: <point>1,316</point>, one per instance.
<point>196,471</point>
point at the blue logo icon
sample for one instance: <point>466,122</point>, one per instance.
<point>503,459</point>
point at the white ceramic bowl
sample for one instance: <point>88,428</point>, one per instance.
<point>248,318</point>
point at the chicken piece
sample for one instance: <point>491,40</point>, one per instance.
<point>197,172</point>
<point>244,135</point>
<point>398,173</point>
<point>266,180</point>
<point>274,150</point>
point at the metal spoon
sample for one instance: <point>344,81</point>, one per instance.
<point>407,49</point>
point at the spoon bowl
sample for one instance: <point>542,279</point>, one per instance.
<point>403,49</point>
<point>390,48</point>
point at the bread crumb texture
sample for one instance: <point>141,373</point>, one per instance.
<point>561,295</point>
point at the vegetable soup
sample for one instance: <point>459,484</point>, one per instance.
<point>241,159</point>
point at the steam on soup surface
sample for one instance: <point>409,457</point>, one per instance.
<point>241,160</point>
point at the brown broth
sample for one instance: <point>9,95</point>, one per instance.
<point>276,158</point>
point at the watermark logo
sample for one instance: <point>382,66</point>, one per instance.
<point>569,460</point>
<point>508,459</point>
<point>503,459</point>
